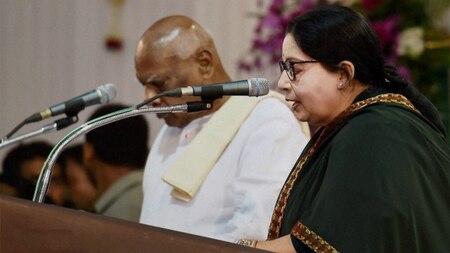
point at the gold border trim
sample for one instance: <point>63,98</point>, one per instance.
<point>311,239</point>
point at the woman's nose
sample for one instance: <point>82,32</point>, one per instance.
<point>284,84</point>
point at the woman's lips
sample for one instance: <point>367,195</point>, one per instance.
<point>295,105</point>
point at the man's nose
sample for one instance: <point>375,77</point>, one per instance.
<point>151,91</point>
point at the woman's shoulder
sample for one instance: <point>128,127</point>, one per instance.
<point>378,124</point>
<point>385,116</point>
<point>388,126</point>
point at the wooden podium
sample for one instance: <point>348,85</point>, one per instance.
<point>26,226</point>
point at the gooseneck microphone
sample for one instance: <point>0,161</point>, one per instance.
<point>252,87</point>
<point>102,95</point>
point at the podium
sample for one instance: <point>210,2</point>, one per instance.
<point>27,226</point>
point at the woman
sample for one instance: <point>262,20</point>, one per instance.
<point>375,177</point>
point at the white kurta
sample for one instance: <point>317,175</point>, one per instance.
<point>238,196</point>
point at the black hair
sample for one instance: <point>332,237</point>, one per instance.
<point>13,161</point>
<point>20,154</point>
<point>122,143</point>
<point>74,153</point>
<point>331,34</point>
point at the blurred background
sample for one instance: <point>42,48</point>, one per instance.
<point>53,50</point>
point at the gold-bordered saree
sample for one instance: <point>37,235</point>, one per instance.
<point>377,179</point>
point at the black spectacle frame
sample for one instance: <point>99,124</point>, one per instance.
<point>289,67</point>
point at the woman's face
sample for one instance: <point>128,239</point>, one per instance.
<point>314,91</point>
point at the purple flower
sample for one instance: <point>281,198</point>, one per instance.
<point>387,29</point>
<point>276,7</point>
<point>271,22</point>
<point>243,66</point>
<point>405,73</point>
<point>388,33</point>
<point>370,5</point>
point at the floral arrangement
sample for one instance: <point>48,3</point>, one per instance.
<point>411,41</point>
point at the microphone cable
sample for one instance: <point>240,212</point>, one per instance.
<point>15,130</point>
<point>170,93</point>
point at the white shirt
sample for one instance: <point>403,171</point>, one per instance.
<point>237,198</point>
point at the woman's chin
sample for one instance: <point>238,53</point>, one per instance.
<point>300,116</point>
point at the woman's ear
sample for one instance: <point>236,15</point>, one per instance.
<point>347,74</point>
<point>205,63</point>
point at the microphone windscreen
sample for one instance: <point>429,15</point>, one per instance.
<point>258,87</point>
<point>107,92</point>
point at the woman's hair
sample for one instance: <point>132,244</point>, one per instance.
<point>331,34</point>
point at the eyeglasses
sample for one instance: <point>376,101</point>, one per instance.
<point>289,67</point>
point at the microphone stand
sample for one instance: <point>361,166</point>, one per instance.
<point>45,176</point>
<point>49,128</point>
<point>71,118</point>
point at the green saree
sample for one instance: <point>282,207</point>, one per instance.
<point>375,180</point>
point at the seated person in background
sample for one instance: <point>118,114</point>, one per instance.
<point>222,168</point>
<point>116,154</point>
<point>22,167</point>
<point>375,177</point>
<point>81,191</point>
<point>7,181</point>
<point>5,187</point>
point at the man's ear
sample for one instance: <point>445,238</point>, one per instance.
<point>205,63</point>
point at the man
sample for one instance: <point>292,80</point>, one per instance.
<point>81,190</point>
<point>216,182</point>
<point>116,154</point>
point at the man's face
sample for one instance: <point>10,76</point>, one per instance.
<point>31,170</point>
<point>81,190</point>
<point>167,74</point>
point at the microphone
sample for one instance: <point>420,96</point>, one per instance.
<point>102,95</point>
<point>252,87</point>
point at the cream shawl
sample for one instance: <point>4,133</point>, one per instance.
<point>191,169</point>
